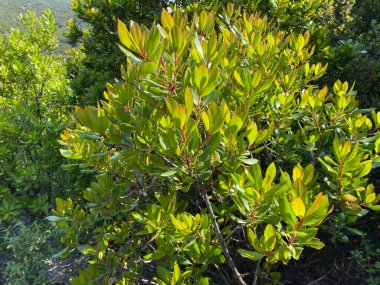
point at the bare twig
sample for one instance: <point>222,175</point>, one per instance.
<point>221,275</point>
<point>222,242</point>
<point>164,158</point>
<point>323,277</point>
<point>168,161</point>
<point>233,231</point>
<point>256,273</point>
<point>272,281</point>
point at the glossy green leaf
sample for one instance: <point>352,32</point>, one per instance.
<point>252,255</point>
<point>287,212</point>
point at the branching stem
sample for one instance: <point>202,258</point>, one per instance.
<point>222,242</point>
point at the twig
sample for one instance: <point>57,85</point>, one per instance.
<point>222,242</point>
<point>164,158</point>
<point>323,277</point>
<point>221,275</point>
<point>168,161</point>
<point>233,231</point>
<point>256,273</point>
<point>271,280</point>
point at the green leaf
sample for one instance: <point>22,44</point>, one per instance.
<point>212,144</point>
<point>55,219</point>
<point>176,272</point>
<point>177,38</point>
<point>201,76</point>
<point>276,190</point>
<point>308,174</point>
<point>204,281</point>
<point>157,255</point>
<point>149,67</point>
<point>238,78</point>
<point>252,133</point>
<point>198,46</point>
<point>270,237</point>
<point>300,43</point>
<point>61,253</point>
<point>298,207</point>
<point>317,212</point>
<point>252,255</point>
<point>355,231</point>
<point>167,20</point>
<point>153,41</point>
<point>189,103</point>
<point>256,79</point>
<point>178,224</point>
<point>270,174</point>
<point>249,161</point>
<point>169,173</point>
<point>315,205</point>
<point>234,125</point>
<point>370,198</point>
<point>179,116</point>
<point>374,207</point>
<point>256,176</point>
<point>366,168</point>
<point>206,121</point>
<point>266,84</point>
<point>254,241</point>
<point>327,167</point>
<point>130,55</point>
<point>315,243</point>
<point>287,213</point>
<point>336,148</point>
<point>125,36</point>
<point>164,274</point>
<point>86,249</point>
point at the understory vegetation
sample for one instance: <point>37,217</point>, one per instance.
<point>191,142</point>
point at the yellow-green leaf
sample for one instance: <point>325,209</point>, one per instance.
<point>298,207</point>
<point>178,224</point>
<point>167,20</point>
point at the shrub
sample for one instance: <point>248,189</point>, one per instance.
<point>34,98</point>
<point>353,53</point>
<point>27,249</point>
<point>215,149</point>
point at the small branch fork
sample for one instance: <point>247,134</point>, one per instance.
<point>222,242</point>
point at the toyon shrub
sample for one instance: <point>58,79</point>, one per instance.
<point>215,153</point>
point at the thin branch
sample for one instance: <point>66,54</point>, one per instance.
<point>164,158</point>
<point>220,275</point>
<point>323,277</point>
<point>222,242</point>
<point>233,231</point>
<point>168,161</point>
<point>256,273</point>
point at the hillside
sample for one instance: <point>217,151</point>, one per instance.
<point>11,9</point>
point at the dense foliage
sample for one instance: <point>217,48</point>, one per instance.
<point>99,58</point>
<point>216,155</point>
<point>216,147</point>
<point>353,50</point>
<point>33,111</point>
